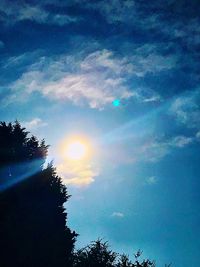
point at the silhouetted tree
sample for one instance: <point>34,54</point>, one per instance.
<point>33,231</point>
<point>98,254</point>
<point>124,261</point>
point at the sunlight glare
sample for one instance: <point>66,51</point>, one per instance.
<point>76,150</point>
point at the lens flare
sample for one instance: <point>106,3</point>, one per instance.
<point>76,150</point>
<point>116,102</point>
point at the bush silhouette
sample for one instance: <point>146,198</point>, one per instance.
<point>33,229</point>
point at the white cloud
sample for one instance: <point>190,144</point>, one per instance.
<point>151,63</point>
<point>154,150</point>
<point>15,12</point>
<point>186,109</point>
<point>151,180</point>
<point>105,59</point>
<point>34,13</point>
<point>180,141</point>
<point>34,124</point>
<point>20,61</point>
<point>96,80</point>
<point>117,214</point>
<point>152,99</point>
<point>76,174</point>
<point>147,96</point>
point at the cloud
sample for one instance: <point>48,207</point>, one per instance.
<point>198,135</point>
<point>148,96</point>
<point>151,180</point>
<point>180,141</point>
<point>15,12</point>
<point>2,44</point>
<point>186,109</point>
<point>114,11</point>
<point>144,63</point>
<point>21,62</point>
<point>105,59</point>
<point>96,80</point>
<point>34,124</point>
<point>117,214</point>
<point>152,99</point>
<point>189,34</point>
<point>155,149</point>
<point>76,174</point>
<point>141,15</point>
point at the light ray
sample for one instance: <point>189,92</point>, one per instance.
<point>13,174</point>
<point>139,126</point>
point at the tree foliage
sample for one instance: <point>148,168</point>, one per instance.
<point>98,254</point>
<point>33,229</point>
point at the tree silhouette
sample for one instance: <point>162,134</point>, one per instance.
<point>98,254</point>
<point>33,231</point>
<point>124,261</point>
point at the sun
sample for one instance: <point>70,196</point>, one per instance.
<point>76,150</point>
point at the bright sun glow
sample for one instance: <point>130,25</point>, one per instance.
<point>76,150</point>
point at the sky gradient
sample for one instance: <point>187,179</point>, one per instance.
<point>124,75</point>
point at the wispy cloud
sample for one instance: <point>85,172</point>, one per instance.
<point>151,180</point>
<point>180,141</point>
<point>142,15</point>
<point>145,61</point>
<point>189,34</point>
<point>34,124</point>
<point>1,44</point>
<point>114,11</point>
<point>117,214</point>
<point>198,135</point>
<point>148,149</point>
<point>95,80</point>
<point>20,61</point>
<point>155,150</point>
<point>186,109</point>
<point>15,12</point>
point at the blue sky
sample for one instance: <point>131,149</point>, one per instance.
<point>64,64</point>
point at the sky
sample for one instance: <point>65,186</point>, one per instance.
<point>122,75</point>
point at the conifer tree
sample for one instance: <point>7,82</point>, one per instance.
<point>33,231</point>
<point>98,254</point>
